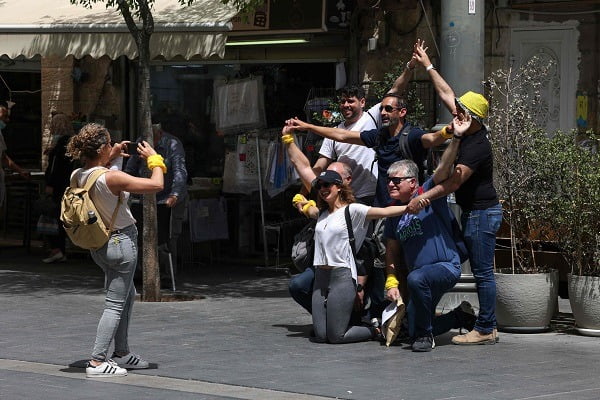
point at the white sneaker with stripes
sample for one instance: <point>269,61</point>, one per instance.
<point>107,369</point>
<point>131,361</point>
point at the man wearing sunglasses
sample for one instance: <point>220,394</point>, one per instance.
<point>386,140</point>
<point>428,249</point>
<point>361,159</point>
<point>473,185</point>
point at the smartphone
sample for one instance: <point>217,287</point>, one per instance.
<point>132,148</point>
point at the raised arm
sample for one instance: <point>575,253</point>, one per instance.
<point>446,178</point>
<point>299,160</point>
<point>118,181</point>
<point>341,135</point>
<point>444,91</point>
<point>401,82</point>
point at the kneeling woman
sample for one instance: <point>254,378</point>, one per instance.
<point>118,257</point>
<point>335,286</point>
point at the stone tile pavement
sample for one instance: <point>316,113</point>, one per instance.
<point>246,339</point>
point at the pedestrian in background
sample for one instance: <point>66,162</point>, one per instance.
<point>57,175</point>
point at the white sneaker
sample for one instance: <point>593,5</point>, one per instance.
<point>131,361</point>
<point>60,257</point>
<point>107,369</point>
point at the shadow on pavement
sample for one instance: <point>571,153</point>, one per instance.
<point>23,273</point>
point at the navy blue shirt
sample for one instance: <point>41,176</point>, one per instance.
<point>423,236</point>
<point>387,150</point>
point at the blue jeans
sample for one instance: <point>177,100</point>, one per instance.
<point>427,285</point>
<point>301,288</point>
<point>479,231</point>
<point>117,258</point>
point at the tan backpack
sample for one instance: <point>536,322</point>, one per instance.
<point>80,217</point>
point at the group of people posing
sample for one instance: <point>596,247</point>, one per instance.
<point>421,260</point>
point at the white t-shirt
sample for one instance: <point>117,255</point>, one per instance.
<point>359,158</point>
<point>105,201</point>
<point>332,245</point>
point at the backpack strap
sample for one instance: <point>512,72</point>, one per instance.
<point>374,120</point>
<point>91,180</point>
<point>350,230</point>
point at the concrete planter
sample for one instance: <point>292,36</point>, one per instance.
<point>526,302</point>
<point>584,296</point>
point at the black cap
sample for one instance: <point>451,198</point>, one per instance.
<point>329,176</point>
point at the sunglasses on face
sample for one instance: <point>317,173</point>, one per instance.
<point>389,108</point>
<point>396,180</point>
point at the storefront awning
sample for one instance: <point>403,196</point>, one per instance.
<point>59,28</point>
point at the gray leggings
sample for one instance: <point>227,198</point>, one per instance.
<point>333,297</point>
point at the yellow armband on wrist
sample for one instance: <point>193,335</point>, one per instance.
<point>307,206</point>
<point>156,160</point>
<point>297,199</point>
<point>391,282</point>
<point>287,139</point>
<point>445,134</point>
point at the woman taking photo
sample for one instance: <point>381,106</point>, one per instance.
<point>118,257</point>
<point>335,284</point>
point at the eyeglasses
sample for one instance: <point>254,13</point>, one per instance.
<point>325,185</point>
<point>389,108</point>
<point>396,180</point>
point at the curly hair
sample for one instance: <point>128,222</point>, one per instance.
<point>61,125</point>
<point>346,197</point>
<point>87,143</point>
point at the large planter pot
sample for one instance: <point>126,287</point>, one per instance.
<point>584,296</point>
<point>525,303</point>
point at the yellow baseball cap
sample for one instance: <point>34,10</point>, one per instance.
<point>475,103</point>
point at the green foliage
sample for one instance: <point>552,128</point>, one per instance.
<point>244,6</point>
<point>569,179</point>
<point>330,116</point>
<point>415,108</point>
<point>549,184</point>
<point>514,96</point>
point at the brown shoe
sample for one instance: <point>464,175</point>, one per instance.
<point>474,337</point>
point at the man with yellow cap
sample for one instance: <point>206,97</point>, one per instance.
<point>472,182</point>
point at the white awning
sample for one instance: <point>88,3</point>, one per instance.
<point>57,27</point>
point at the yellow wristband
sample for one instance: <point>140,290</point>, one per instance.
<point>287,139</point>
<point>156,160</point>
<point>297,199</point>
<point>391,282</point>
<point>445,134</point>
<point>307,206</point>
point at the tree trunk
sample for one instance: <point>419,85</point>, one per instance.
<point>150,267</point>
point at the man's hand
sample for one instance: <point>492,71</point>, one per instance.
<point>297,124</point>
<point>420,53</point>
<point>393,294</point>
<point>359,303</point>
<point>417,204</point>
<point>171,201</point>
<point>461,123</point>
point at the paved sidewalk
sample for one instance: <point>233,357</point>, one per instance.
<point>248,340</point>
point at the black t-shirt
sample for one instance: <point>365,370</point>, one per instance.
<point>387,150</point>
<point>477,192</point>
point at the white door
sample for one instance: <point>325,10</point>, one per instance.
<point>558,43</point>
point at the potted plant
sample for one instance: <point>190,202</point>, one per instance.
<point>527,290</point>
<point>571,178</point>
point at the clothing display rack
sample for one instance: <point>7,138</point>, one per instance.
<point>276,227</point>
